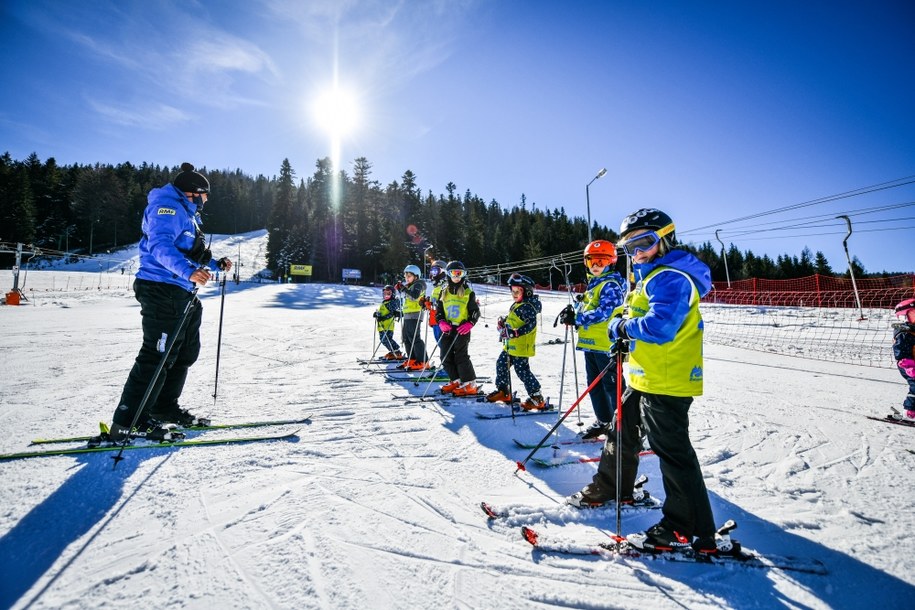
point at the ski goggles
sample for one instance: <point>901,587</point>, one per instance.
<point>457,274</point>
<point>644,241</point>
<point>597,259</point>
<point>433,271</point>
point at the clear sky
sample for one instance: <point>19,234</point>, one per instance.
<point>710,110</point>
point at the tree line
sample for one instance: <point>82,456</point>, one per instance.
<point>330,220</point>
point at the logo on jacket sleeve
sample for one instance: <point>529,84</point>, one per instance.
<point>166,212</point>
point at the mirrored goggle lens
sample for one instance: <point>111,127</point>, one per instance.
<point>640,243</point>
<point>591,260</point>
<point>435,270</point>
<point>457,274</point>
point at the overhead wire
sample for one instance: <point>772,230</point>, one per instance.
<point>826,199</point>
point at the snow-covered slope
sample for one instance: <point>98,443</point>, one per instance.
<point>376,505</point>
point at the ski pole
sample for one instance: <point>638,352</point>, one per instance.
<point>619,439</point>
<point>565,352</point>
<point>564,416</point>
<point>419,321</point>
<point>511,393</point>
<point>434,349</point>
<point>375,332</point>
<point>222,304</point>
<point>434,373</point>
<point>567,269</point>
<point>374,338</point>
<point>152,382</point>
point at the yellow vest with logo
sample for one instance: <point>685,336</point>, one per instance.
<point>455,305</point>
<point>594,338</point>
<point>388,324</point>
<point>525,345</point>
<point>673,368</point>
<point>411,305</point>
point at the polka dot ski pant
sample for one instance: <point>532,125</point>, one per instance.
<point>522,369</point>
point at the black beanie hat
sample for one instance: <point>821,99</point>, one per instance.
<point>190,181</point>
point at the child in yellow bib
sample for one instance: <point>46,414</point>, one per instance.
<point>664,337</point>
<point>457,312</point>
<point>601,301</point>
<point>518,330</point>
<point>385,316</point>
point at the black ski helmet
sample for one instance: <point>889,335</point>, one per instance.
<point>654,219</point>
<point>388,287</point>
<point>525,282</point>
<point>191,181</point>
<point>456,266</point>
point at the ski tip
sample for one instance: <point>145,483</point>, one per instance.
<point>529,535</point>
<point>489,510</point>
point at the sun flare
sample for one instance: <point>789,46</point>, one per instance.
<point>336,112</point>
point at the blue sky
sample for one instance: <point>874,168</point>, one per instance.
<point>712,111</point>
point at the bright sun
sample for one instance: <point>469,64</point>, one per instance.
<point>336,112</point>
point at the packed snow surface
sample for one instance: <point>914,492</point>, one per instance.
<point>375,504</point>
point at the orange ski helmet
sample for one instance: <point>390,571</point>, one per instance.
<point>601,249</point>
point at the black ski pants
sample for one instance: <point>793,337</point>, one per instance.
<point>413,344</point>
<point>665,421</point>
<point>162,308</point>
<point>455,356</point>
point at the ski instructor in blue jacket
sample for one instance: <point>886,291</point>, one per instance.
<point>174,260</point>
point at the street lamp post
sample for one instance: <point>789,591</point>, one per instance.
<point>426,257</point>
<point>600,174</point>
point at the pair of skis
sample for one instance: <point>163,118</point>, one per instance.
<point>894,418</point>
<point>196,442</point>
<point>612,546</point>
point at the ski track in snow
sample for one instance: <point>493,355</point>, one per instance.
<point>376,504</point>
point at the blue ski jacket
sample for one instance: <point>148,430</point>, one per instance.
<point>173,246</point>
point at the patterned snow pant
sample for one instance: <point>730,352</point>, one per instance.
<point>386,337</point>
<point>909,403</point>
<point>522,369</point>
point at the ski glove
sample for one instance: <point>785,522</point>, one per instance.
<point>500,323</point>
<point>224,264</point>
<point>465,328</point>
<point>376,315</point>
<point>398,287</point>
<point>620,347</point>
<point>567,316</point>
<point>617,329</point>
<point>507,332</point>
<point>908,366</point>
<point>445,327</point>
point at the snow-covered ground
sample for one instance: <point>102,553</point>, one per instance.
<point>376,504</point>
